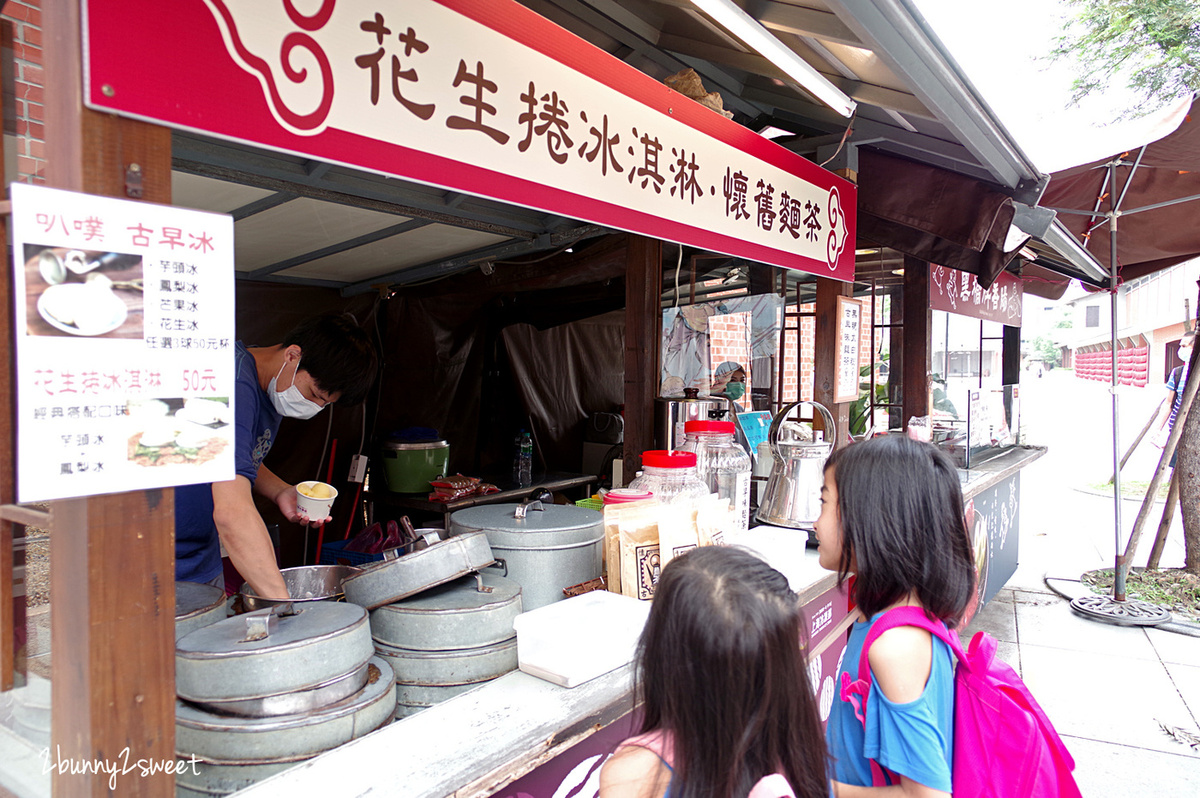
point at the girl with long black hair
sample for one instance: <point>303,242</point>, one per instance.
<point>728,711</point>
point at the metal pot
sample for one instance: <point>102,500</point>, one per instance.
<point>197,605</point>
<point>546,547</point>
<point>398,578</point>
<point>305,584</point>
<point>200,779</point>
<point>268,652</point>
<point>461,666</point>
<point>409,467</point>
<point>226,739</point>
<point>467,613</point>
<point>793,494</point>
<point>671,414</point>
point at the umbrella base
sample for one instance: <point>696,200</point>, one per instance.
<point>1107,609</point>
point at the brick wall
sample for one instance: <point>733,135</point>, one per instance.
<point>29,82</point>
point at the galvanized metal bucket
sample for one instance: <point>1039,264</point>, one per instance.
<point>266,653</point>
<point>472,611</point>
<point>546,547</point>
<point>225,739</point>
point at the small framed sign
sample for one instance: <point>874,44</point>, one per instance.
<point>849,326</point>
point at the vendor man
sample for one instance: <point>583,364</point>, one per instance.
<point>323,360</point>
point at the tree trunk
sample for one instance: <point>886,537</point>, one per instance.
<point>1187,468</point>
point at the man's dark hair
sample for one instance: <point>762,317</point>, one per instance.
<point>337,354</point>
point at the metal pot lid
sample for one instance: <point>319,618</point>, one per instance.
<point>396,579</point>
<point>461,666</point>
<point>225,739</point>
<point>224,661</point>
<point>410,446</point>
<point>194,599</point>
<point>454,615</point>
<point>294,701</point>
<point>552,524</point>
<point>197,777</point>
<point>426,695</point>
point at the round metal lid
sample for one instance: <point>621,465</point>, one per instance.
<point>554,524</point>
<point>227,739</point>
<point>313,622</point>
<point>394,580</point>
<point>194,598</point>
<point>398,446</point>
<point>461,595</point>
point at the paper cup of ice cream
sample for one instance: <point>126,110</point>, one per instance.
<point>315,499</point>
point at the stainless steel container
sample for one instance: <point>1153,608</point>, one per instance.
<point>671,414</point>
<point>225,739</point>
<point>296,701</point>
<point>197,605</point>
<point>793,494</point>
<point>545,547</point>
<point>237,659</point>
<point>396,579</point>
<point>305,584</point>
<point>200,779</point>
<point>461,666</point>
<point>469,612</point>
<point>412,698</point>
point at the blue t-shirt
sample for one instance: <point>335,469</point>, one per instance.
<point>915,740</point>
<point>1176,382</point>
<point>197,547</point>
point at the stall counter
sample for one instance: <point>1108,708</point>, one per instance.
<point>520,735</point>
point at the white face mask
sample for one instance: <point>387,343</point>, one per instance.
<point>290,402</point>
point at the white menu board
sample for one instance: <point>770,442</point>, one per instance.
<point>124,322</point>
<point>849,321</point>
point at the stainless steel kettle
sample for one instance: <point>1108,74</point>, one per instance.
<point>793,493</point>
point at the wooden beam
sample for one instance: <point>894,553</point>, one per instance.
<point>643,340</point>
<point>825,352</point>
<point>918,320</point>
<point>112,563</point>
<point>9,616</point>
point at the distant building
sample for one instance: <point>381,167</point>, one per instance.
<point>1153,312</point>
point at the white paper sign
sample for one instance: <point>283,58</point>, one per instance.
<point>849,321</point>
<point>124,320</point>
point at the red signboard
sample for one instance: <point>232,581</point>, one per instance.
<point>478,96</point>
<point>959,292</point>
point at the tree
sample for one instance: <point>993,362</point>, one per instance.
<point>1153,46</point>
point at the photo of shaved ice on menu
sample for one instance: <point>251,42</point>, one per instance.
<point>83,292</point>
<point>178,431</point>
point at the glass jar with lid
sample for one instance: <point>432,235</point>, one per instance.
<point>724,467</point>
<point>670,476</point>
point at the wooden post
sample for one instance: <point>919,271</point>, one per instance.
<point>112,580</point>
<point>918,321</point>
<point>9,617</point>
<point>825,354</point>
<point>643,341</point>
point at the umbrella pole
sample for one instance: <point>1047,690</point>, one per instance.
<point>1116,609</point>
<point>1118,571</point>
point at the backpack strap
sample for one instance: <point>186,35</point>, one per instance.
<point>856,692</point>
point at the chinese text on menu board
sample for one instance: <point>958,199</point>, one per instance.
<point>124,314</point>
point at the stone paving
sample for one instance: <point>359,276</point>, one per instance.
<point>1107,689</point>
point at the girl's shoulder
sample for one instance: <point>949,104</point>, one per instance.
<point>902,660</point>
<point>634,771</point>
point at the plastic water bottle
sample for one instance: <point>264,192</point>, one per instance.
<point>525,460</point>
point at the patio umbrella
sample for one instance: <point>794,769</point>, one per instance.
<point>1138,209</point>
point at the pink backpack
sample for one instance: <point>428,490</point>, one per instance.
<point>1004,745</point>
